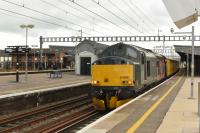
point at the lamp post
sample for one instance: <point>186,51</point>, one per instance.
<point>37,58</point>
<point>30,26</point>
<point>34,46</point>
<point>192,64</point>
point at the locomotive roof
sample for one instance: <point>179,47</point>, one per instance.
<point>148,52</point>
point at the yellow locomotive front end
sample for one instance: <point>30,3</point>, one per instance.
<point>112,85</point>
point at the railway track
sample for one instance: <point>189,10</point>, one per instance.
<point>38,118</point>
<point>64,124</point>
<point>64,116</point>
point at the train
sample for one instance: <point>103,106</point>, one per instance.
<point>123,70</point>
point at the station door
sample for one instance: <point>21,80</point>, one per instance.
<point>85,65</point>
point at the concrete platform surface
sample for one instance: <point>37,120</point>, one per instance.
<point>9,86</point>
<point>182,116</point>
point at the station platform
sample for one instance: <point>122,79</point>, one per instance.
<point>163,109</point>
<point>38,82</point>
<point>182,116</point>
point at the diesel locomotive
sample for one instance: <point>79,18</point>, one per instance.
<point>123,70</point>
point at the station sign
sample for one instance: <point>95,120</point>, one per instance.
<point>17,50</point>
<point>24,50</point>
<point>9,50</point>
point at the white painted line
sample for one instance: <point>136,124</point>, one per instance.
<point>155,98</point>
<point>84,130</point>
<point>146,98</point>
<point>42,90</point>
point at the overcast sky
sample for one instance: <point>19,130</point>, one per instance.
<point>64,18</point>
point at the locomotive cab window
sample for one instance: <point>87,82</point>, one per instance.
<point>148,68</point>
<point>131,53</point>
<point>109,61</point>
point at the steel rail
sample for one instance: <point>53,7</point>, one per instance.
<point>42,118</point>
<point>37,111</point>
<point>67,121</point>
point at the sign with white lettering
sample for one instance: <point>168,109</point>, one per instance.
<point>9,50</point>
<point>17,50</point>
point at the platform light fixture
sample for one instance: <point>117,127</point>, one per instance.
<point>29,26</point>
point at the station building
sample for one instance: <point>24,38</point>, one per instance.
<point>64,55</point>
<point>61,57</point>
<point>86,52</point>
<point>79,57</point>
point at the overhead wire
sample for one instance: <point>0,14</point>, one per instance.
<point>49,15</point>
<point>65,3</point>
<point>61,9</point>
<point>38,19</point>
<point>142,12</point>
<point>100,16</point>
<point>20,17</point>
<point>123,12</point>
<point>23,3</point>
<point>134,12</point>
<point>91,11</point>
<point>114,15</point>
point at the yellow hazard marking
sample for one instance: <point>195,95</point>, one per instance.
<point>139,122</point>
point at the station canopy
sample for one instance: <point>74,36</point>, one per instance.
<point>183,51</point>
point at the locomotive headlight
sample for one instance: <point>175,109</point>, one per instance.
<point>95,82</point>
<point>129,82</point>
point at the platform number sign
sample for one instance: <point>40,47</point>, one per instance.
<point>17,49</point>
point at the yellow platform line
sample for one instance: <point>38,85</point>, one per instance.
<point>139,122</point>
